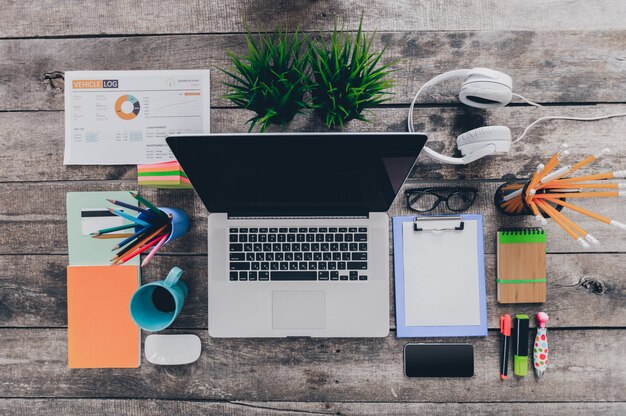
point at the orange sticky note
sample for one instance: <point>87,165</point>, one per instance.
<point>100,330</point>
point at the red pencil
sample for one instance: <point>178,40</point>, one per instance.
<point>134,253</point>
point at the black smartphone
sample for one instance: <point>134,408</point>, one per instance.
<point>438,360</point>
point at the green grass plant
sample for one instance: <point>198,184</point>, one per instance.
<point>272,79</point>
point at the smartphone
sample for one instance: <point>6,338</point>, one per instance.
<point>438,360</point>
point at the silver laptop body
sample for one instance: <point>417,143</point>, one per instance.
<point>300,273</point>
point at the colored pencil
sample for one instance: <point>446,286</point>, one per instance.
<point>143,241</point>
<point>129,217</point>
<point>598,176</point>
<point>129,206</point>
<point>583,195</point>
<point>155,249</point>
<point>112,229</point>
<point>128,248</point>
<point>134,253</point>
<point>559,222</point>
<point>148,204</point>
<point>589,214</point>
<point>111,236</point>
<point>557,185</point>
<point>133,236</point>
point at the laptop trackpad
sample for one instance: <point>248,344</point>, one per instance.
<point>298,309</point>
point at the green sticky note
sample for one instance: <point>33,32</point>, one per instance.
<point>86,213</point>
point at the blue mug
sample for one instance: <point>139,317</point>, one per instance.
<point>154,306</point>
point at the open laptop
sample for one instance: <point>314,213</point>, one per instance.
<point>298,235</point>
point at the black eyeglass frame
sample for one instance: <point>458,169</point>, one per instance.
<point>433,191</point>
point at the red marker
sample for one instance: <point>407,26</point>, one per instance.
<point>505,330</point>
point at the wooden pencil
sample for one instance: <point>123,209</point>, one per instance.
<point>128,217</point>
<point>134,253</point>
<point>582,195</point>
<point>148,204</point>
<point>113,229</point>
<point>111,236</point>
<point>141,242</point>
<point>155,249</point>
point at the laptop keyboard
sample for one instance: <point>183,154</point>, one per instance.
<point>298,254</point>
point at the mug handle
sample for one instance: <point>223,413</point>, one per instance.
<point>173,276</point>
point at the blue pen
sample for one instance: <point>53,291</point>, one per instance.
<point>129,217</point>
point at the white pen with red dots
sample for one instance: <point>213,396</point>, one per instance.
<point>540,349</point>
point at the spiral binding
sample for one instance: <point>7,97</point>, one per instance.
<point>523,231</point>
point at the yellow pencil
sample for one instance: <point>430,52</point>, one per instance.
<point>557,185</point>
<point>620,174</point>
<point>583,195</point>
<point>590,159</point>
<point>588,213</point>
<point>107,236</point>
<point>573,225</point>
<point>563,225</point>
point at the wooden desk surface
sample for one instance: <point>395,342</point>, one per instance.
<point>569,55</point>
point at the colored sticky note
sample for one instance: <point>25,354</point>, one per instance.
<point>163,175</point>
<point>100,330</point>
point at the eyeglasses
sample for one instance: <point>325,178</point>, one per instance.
<point>427,199</point>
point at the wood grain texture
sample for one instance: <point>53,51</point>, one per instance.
<point>33,291</point>
<point>545,66</point>
<point>558,52</point>
<point>304,369</point>
<point>34,221</point>
<point>71,407</point>
<point>171,16</point>
<point>32,143</point>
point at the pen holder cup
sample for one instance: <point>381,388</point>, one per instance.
<point>498,199</point>
<point>179,221</point>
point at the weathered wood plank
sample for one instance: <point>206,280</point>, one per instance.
<point>33,291</point>
<point>545,66</point>
<point>32,143</point>
<point>70,407</point>
<point>151,16</point>
<point>585,366</point>
<point>34,222</point>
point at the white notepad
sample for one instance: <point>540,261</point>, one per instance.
<point>440,290</point>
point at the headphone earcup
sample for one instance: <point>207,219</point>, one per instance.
<point>499,136</point>
<point>486,88</point>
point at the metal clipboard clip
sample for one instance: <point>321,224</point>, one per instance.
<point>435,224</point>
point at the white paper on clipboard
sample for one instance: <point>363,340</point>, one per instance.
<point>441,276</point>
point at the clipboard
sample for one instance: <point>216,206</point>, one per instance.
<point>439,270</point>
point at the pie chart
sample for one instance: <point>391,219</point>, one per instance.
<point>127,107</point>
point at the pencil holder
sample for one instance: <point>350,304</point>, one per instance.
<point>179,222</point>
<point>503,190</point>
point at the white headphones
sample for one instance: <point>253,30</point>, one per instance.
<point>484,88</point>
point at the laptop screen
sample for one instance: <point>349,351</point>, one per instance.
<point>297,174</point>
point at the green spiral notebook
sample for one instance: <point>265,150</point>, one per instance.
<point>521,274</point>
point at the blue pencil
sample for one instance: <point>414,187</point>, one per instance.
<point>129,206</point>
<point>129,217</point>
<point>132,237</point>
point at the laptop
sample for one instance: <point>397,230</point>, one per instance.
<point>298,235</point>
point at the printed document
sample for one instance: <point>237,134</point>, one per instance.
<point>123,117</point>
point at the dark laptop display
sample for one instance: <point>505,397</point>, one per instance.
<point>297,174</point>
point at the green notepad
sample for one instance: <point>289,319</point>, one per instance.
<point>88,212</point>
<point>521,274</point>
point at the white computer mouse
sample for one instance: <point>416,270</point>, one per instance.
<point>172,349</point>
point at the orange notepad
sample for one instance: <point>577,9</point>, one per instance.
<point>521,266</point>
<point>100,330</point>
